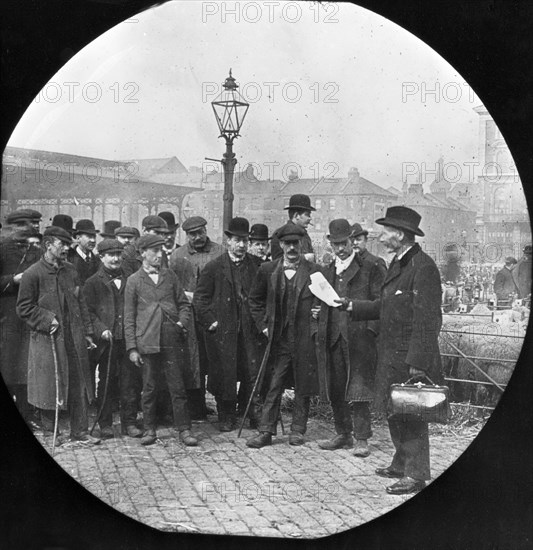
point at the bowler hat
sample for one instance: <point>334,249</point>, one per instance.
<point>192,223</point>
<point>63,220</point>
<point>109,228</point>
<point>358,230</point>
<point>259,232</point>
<point>339,230</point>
<point>238,227</point>
<point>109,246</point>
<point>125,231</point>
<point>300,202</point>
<point>527,249</point>
<point>155,222</point>
<point>85,226</point>
<point>291,232</point>
<point>21,215</point>
<point>169,218</point>
<point>150,241</point>
<point>58,233</point>
<point>402,217</point>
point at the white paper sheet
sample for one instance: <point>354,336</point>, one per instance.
<point>323,290</point>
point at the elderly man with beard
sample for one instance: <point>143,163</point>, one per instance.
<point>280,303</point>
<point>104,294</point>
<point>82,257</point>
<point>346,348</point>
<point>233,343</point>
<point>156,320</point>
<point>51,302</point>
<point>410,320</point>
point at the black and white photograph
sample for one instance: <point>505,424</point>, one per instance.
<point>265,272</point>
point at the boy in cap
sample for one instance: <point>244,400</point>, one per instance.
<point>156,320</point>
<point>51,302</point>
<point>104,294</point>
<point>280,304</point>
<point>82,257</point>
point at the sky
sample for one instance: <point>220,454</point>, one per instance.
<point>330,86</point>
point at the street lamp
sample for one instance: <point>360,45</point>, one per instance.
<point>230,109</point>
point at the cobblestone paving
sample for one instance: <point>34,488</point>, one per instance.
<point>223,487</point>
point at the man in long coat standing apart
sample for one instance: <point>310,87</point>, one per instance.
<point>51,302</point>
<point>346,348</point>
<point>233,342</point>
<point>410,322</point>
<point>281,303</point>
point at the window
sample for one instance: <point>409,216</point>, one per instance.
<point>332,204</point>
<point>286,202</point>
<point>318,204</point>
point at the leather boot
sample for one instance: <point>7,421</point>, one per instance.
<point>188,439</point>
<point>361,448</point>
<point>149,437</point>
<point>260,440</point>
<point>341,441</point>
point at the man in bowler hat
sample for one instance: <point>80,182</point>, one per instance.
<point>280,303</point>
<point>170,238</point>
<point>82,257</point>
<point>221,304</point>
<point>347,352</point>
<point>259,241</point>
<point>299,211</point>
<point>409,310</point>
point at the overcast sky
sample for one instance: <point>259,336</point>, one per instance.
<point>347,88</point>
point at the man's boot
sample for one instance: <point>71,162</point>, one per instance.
<point>361,448</point>
<point>341,441</point>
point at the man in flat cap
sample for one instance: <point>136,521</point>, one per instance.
<point>409,310</point>
<point>151,225</point>
<point>187,262</point>
<point>347,352</point>
<point>156,321</point>
<point>170,238</point>
<point>280,303</point>
<point>125,235</point>
<point>504,284</point>
<point>299,211</point>
<point>82,257</point>
<point>233,343</point>
<point>104,294</point>
<point>51,302</point>
<point>23,218</point>
<point>259,242</point>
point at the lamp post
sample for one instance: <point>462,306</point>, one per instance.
<point>230,109</point>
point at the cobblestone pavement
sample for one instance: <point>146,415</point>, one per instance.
<point>223,487</point>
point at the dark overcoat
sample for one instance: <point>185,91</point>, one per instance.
<point>84,268</point>
<point>215,299</point>
<point>410,321</point>
<point>363,278</point>
<point>45,293</point>
<point>266,306</point>
<point>15,257</point>
<point>504,284</point>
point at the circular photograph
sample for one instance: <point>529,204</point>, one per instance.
<point>265,267</point>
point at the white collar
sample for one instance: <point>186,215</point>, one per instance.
<point>342,265</point>
<point>82,254</point>
<point>402,254</point>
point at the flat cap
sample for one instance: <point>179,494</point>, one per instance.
<point>291,232</point>
<point>192,223</point>
<point>109,246</point>
<point>58,233</point>
<point>21,215</point>
<point>126,231</point>
<point>150,241</point>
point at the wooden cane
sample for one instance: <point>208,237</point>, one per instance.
<point>56,373</point>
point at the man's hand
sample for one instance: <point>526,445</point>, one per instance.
<point>90,343</point>
<point>107,335</point>
<point>344,304</point>
<point>213,327</point>
<point>315,311</point>
<point>54,325</point>
<point>17,278</point>
<point>135,358</point>
<point>416,373</point>
<point>181,329</point>
<point>265,332</point>
<point>310,257</point>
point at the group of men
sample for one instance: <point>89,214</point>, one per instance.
<point>155,320</point>
<point>514,279</point>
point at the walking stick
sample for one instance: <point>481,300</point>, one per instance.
<point>56,373</point>
<point>105,386</point>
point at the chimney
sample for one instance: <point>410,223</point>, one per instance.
<point>353,175</point>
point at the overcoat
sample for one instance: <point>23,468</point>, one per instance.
<point>84,268</point>
<point>266,305</point>
<point>363,279</point>
<point>410,321</point>
<point>215,299</point>
<point>15,257</point>
<point>504,284</point>
<point>47,292</point>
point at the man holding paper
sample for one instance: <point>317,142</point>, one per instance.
<point>347,348</point>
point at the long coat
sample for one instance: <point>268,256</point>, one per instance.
<point>265,305</point>
<point>44,292</point>
<point>215,299</point>
<point>15,257</point>
<point>410,321</point>
<point>363,278</point>
<point>504,284</point>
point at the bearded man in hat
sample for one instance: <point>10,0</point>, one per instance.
<point>259,242</point>
<point>82,257</point>
<point>280,304</point>
<point>299,211</point>
<point>221,305</point>
<point>51,302</point>
<point>347,352</point>
<point>104,294</point>
<point>156,322</point>
<point>187,262</point>
<point>409,310</point>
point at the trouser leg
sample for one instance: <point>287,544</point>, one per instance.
<point>337,391</point>
<point>149,392</point>
<point>362,428</point>
<point>78,404</point>
<point>105,398</point>
<point>130,384</point>
<point>411,440</point>
<point>196,397</point>
<point>300,413</point>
